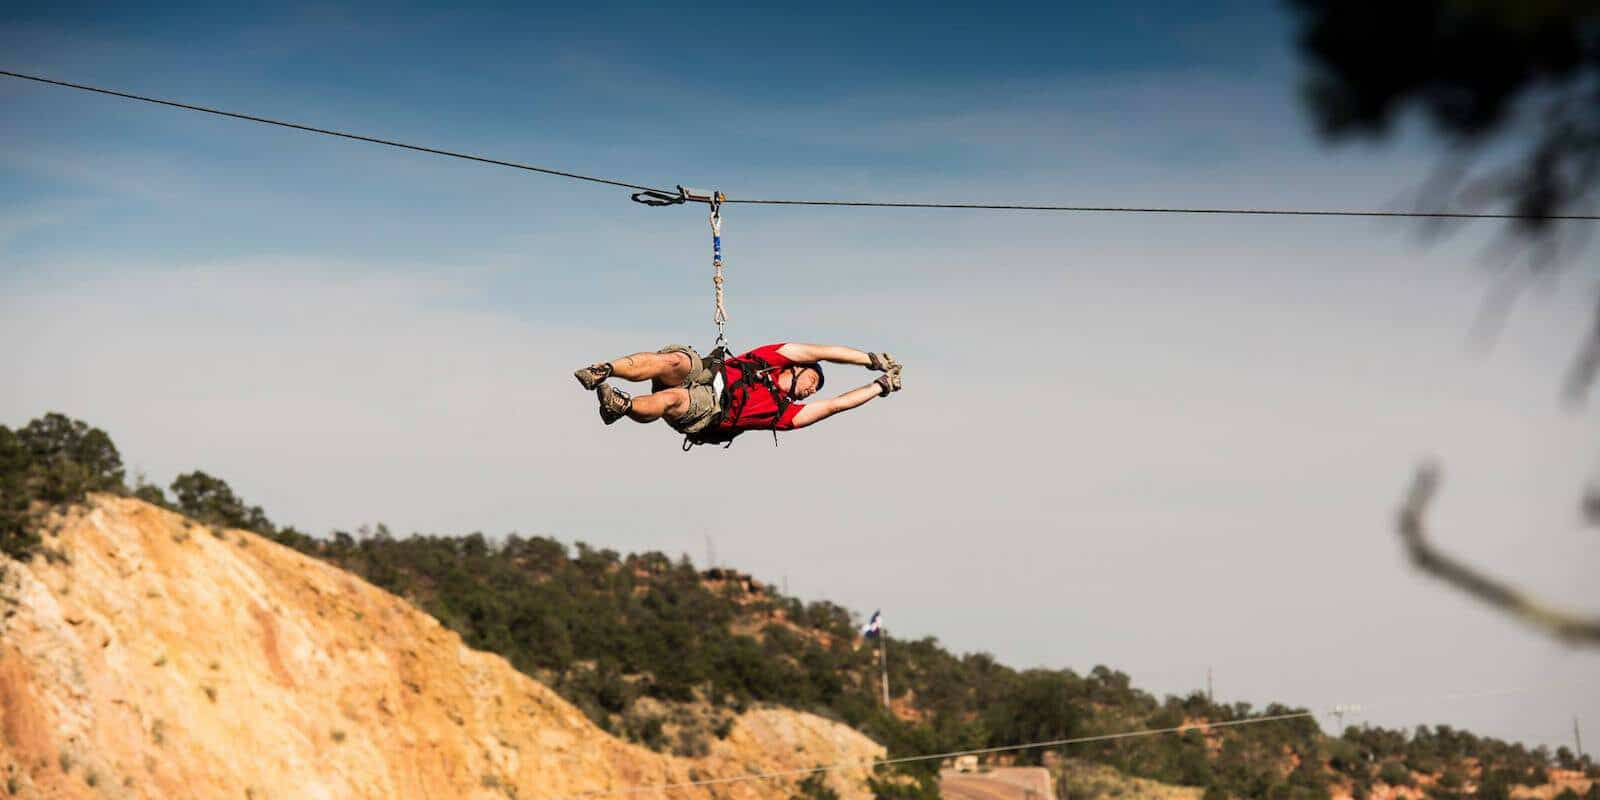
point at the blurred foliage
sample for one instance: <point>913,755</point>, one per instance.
<point>1469,67</point>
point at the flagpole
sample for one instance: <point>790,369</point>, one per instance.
<point>883,660</point>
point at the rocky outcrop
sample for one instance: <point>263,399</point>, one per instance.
<point>150,656</point>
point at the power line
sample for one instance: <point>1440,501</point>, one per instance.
<point>1275,212</point>
<point>872,764</point>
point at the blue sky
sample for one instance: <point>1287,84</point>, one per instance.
<point>763,102</point>
<point>1204,423</point>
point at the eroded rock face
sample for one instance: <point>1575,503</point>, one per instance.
<point>164,659</point>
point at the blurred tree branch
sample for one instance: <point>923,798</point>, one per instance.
<point>1511,89</point>
<point>1469,66</point>
<point>1587,365</point>
<point>1515,82</point>
<point>1565,625</point>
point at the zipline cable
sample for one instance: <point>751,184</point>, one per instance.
<point>1273,212</point>
<point>873,764</point>
<point>326,132</point>
<point>1276,212</point>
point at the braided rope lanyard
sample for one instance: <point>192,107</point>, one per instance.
<point>715,199</point>
<point>721,317</point>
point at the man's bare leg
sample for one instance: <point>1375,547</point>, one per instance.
<point>661,369</point>
<point>666,403</point>
<point>670,369</point>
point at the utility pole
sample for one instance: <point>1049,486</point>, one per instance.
<point>1209,697</point>
<point>1338,713</point>
<point>1577,737</point>
<point>711,553</point>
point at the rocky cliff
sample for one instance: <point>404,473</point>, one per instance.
<point>145,655</point>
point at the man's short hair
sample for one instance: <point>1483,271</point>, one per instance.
<point>821,378</point>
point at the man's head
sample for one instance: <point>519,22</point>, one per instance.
<point>801,380</point>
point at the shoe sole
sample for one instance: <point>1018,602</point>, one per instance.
<point>587,379</point>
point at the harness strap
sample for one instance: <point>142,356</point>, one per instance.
<point>754,371</point>
<point>707,435</point>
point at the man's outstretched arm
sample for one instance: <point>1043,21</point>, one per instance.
<point>813,413</point>
<point>836,353</point>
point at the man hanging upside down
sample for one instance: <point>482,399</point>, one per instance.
<point>759,390</point>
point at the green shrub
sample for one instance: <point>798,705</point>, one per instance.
<point>68,459</point>
<point>899,785</point>
<point>646,729</point>
<point>1452,779</point>
<point>150,493</point>
<point>814,788</point>
<point>210,499</point>
<point>50,462</point>
<point>18,539</point>
<point>1395,773</point>
<point>691,743</point>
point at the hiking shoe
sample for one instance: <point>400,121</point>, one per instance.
<point>882,362</point>
<point>614,403</point>
<point>592,375</point>
<point>889,381</point>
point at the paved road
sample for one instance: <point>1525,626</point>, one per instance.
<point>1005,783</point>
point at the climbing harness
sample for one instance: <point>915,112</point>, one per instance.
<point>755,373</point>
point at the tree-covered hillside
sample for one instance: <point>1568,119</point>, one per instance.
<point>656,650</point>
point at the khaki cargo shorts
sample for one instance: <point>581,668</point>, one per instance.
<point>704,404</point>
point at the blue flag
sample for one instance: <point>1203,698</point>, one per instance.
<point>874,626</point>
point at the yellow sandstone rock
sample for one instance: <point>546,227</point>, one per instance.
<point>163,659</point>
